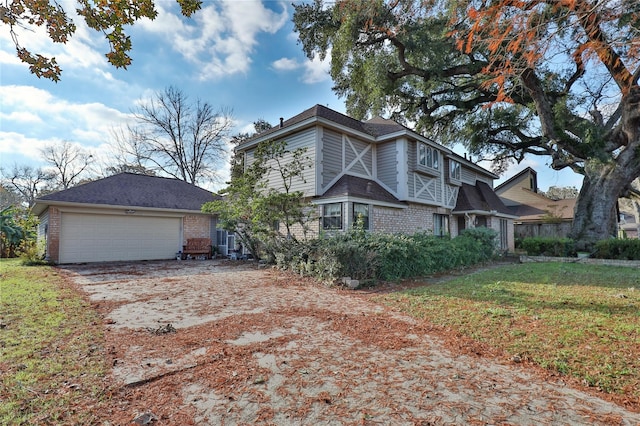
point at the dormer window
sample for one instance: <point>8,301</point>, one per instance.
<point>428,156</point>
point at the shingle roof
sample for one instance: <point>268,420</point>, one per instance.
<point>538,211</point>
<point>379,126</point>
<point>128,189</point>
<point>376,127</point>
<point>315,111</point>
<point>353,186</point>
<point>479,197</point>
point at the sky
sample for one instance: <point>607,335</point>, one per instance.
<point>241,55</point>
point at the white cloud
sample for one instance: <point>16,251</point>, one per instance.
<point>314,71</point>
<point>20,145</point>
<point>25,117</point>
<point>221,37</point>
<point>286,64</point>
<point>87,124</point>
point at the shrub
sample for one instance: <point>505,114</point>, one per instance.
<point>618,249</point>
<point>548,246</point>
<point>369,257</point>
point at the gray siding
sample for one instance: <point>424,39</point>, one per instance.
<point>43,233</point>
<point>331,156</point>
<point>471,177</point>
<point>468,176</point>
<point>306,140</point>
<point>387,165</point>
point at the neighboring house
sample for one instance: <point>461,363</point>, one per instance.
<point>538,215</point>
<point>628,225</point>
<point>122,217</point>
<point>396,180</point>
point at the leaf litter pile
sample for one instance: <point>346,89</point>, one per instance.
<point>226,343</point>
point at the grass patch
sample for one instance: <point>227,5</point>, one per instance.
<point>52,362</point>
<point>578,320</point>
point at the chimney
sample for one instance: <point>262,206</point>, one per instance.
<point>281,122</point>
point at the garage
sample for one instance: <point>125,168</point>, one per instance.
<point>103,237</point>
<point>123,217</point>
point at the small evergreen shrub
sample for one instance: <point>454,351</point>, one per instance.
<point>548,246</point>
<point>618,249</point>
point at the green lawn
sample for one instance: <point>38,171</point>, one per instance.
<point>579,320</point>
<point>52,359</point>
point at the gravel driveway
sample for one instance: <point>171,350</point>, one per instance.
<point>225,343</point>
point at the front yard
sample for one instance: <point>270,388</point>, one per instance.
<point>52,365</point>
<point>90,344</point>
<point>577,320</point>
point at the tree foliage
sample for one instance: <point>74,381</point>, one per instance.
<point>505,78</point>
<point>258,202</point>
<point>17,230</point>
<point>561,192</point>
<point>175,137</point>
<point>237,163</point>
<point>109,17</point>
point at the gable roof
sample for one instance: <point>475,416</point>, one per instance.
<point>504,185</point>
<point>131,190</point>
<point>479,197</point>
<point>353,186</point>
<point>379,126</point>
<point>316,111</point>
<point>375,129</point>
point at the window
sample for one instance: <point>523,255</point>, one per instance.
<point>440,225</point>
<point>361,213</point>
<point>454,170</point>
<point>332,216</point>
<point>428,156</point>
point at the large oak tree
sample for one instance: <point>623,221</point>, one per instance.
<point>506,78</point>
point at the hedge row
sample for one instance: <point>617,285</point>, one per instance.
<point>548,246</point>
<point>371,257</point>
<point>621,249</point>
<point>618,249</point>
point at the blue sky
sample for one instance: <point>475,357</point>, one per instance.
<point>241,55</point>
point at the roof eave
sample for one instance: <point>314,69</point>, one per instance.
<point>283,131</point>
<point>41,205</point>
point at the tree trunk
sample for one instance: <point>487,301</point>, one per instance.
<point>596,213</point>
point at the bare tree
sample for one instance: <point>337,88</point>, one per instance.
<point>28,181</point>
<point>68,161</point>
<point>187,141</point>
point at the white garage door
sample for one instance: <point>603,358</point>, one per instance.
<point>100,238</point>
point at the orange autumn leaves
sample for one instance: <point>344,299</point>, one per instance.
<point>516,35</point>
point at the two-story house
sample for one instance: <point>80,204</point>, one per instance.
<point>392,178</point>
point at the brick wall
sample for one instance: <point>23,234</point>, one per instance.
<point>415,218</point>
<point>196,226</point>
<point>53,239</point>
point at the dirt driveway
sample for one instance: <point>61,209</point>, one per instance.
<point>222,343</point>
